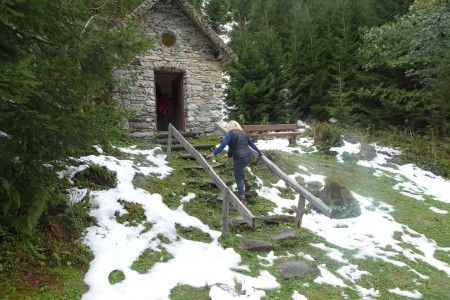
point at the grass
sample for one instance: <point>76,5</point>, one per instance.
<point>149,258</point>
<point>66,282</point>
<point>180,292</point>
<point>424,150</point>
<point>44,283</point>
<point>416,214</point>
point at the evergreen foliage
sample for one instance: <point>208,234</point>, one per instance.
<point>306,55</point>
<point>416,49</point>
<point>371,62</point>
<point>56,63</point>
<point>255,91</point>
<point>216,14</point>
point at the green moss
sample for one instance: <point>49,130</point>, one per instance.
<point>149,258</point>
<point>135,215</point>
<point>116,276</point>
<point>193,233</point>
<point>183,292</point>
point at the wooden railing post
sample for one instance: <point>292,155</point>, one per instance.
<point>169,140</point>
<point>300,210</point>
<point>225,209</point>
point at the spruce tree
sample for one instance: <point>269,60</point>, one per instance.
<point>216,14</point>
<point>255,93</point>
<point>56,63</point>
<point>414,53</point>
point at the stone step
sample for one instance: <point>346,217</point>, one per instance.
<point>177,147</point>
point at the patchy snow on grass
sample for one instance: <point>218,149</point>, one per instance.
<point>374,234</point>
<point>415,294</point>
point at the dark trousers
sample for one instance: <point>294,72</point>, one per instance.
<point>239,174</point>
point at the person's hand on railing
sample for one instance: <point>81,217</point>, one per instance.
<point>209,156</point>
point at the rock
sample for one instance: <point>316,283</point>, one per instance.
<point>338,196</point>
<point>237,221</point>
<point>276,219</point>
<point>339,142</point>
<point>255,245</point>
<point>298,269</point>
<point>288,234</point>
<point>314,185</point>
<point>368,152</point>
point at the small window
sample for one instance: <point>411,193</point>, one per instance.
<point>168,39</point>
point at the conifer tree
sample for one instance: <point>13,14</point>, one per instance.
<point>56,63</point>
<point>216,14</point>
<point>416,50</point>
<point>256,92</point>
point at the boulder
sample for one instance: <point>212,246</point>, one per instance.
<point>255,245</point>
<point>288,234</point>
<point>340,199</point>
<point>298,269</point>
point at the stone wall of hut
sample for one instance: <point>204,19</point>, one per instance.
<point>192,55</point>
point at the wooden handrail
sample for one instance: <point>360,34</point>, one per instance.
<point>228,195</point>
<point>289,181</point>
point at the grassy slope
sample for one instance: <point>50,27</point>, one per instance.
<point>67,282</point>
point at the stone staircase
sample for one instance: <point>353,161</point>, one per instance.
<point>161,138</point>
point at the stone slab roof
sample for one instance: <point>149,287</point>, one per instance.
<point>226,55</point>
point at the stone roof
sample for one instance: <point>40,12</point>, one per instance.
<point>225,54</point>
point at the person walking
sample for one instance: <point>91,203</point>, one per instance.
<point>238,141</point>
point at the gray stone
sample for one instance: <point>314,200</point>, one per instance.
<point>142,135</point>
<point>368,152</point>
<point>237,221</point>
<point>334,194</point>
<point>138,125</point>
<point>255,245</point>
<point>298,269</point>
<point>288,234</point>
<point>314,185</point>
<point>202,119</point>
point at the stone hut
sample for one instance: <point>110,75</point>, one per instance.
<point>185,63</point>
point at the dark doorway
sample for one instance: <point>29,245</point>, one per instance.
<point>169,89</point>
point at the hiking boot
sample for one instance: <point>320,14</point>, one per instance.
<point>248,185</point>
<point>244,201</point>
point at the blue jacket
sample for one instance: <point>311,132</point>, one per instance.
<point>237,142</point>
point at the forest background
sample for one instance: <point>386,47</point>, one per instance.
<point>379,66</point>
<point>376,65</point>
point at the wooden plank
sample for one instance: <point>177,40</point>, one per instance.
<point>274,134</point>
<point>288,180</point>
<point>165,141</point>
<point>175,147</point>
<point>276,218</point>
<point>187,156</point>
<point>206,195</point>
<point>245,213</point>
<point>272,127</point>
<point>226,181</point>
<point>200,167</point>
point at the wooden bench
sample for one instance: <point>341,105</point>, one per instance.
<point>274,130</point>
